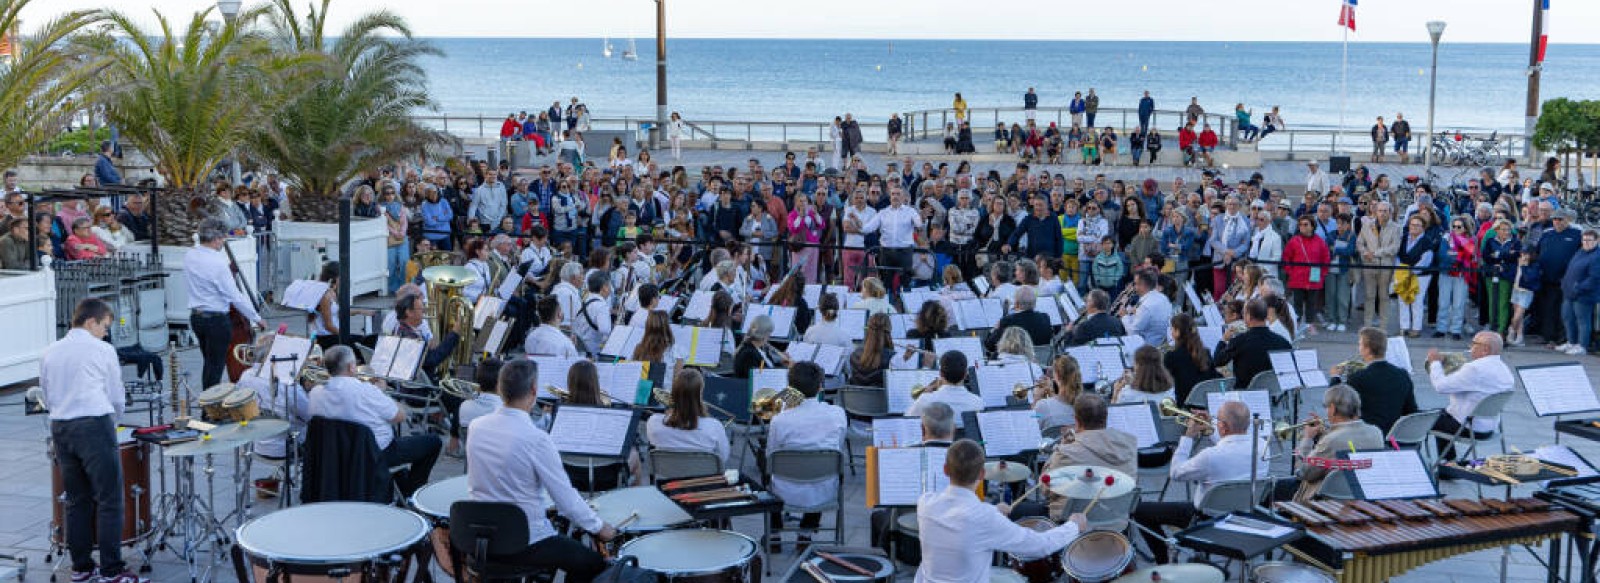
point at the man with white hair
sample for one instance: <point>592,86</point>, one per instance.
<point>1226,460</point>
<point>1266,246</point>
<point>1484,375</point>
<point>1342,429</point>
<point>212,292</point>
<point>1023,316</point>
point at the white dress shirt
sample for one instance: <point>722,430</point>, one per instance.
<point>288,402</point>
<point>511,460</point>
<point>1474,381</point>
<point>957,397</point>
<point>811,425</point>
<point>537,258</point>
<point>547,340</point>
<point>593,336</point>
<point>828,332</point>
<point>211,285</point>
<point>81,377</point>
<point>1227,460</point>
<point>1151,319</point>
<point>481,281</point>
<point>897,224</point>
<point>861,216</point>
<point>707,436</point>
<point>349,399</point>
<point>483,404</point>
<point>961,533</point>
<point>569,297</point>
<point>875,306</point>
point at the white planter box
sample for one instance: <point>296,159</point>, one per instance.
<point>369,251</point>
<point>177,284</point>
<point>28,307</point>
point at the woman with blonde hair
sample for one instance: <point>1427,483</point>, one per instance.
<point>873,298</point>
<point>1052,399</point>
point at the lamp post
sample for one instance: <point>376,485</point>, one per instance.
<point>661,74</point>
<point>1435,30</point>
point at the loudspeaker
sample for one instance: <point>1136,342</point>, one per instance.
<point>1338,164</point>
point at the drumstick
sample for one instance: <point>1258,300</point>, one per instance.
<point>627,521</point>
<point>857,569</point>
<point>1096,499</point>
<point>815,573</point>
<point>1044,480</point>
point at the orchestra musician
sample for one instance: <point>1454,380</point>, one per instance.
<point>1226,460</point>
<point>933,322</point>
<point>754,352</point>
<point>569,291</point>
<point>1055,398</point>
<point>347,398</point>
<point>951,388</point>
<point>1001,274</point>
<point>487,376</point>
<point>1091,444</point>
<point>1023,316</point>
<point>874,298</point>
<point>546,339</point>
<point>1153,314</point>
<point>938,430</point>
<point>513,461</point>
<point>828,331</point>
<point>960,532</point>
<point>715,275</point>
<point>811,425</point>
<point>1148,381</point>
<point>411,323</point>
<point>593,323</point>
<point>82,384</point>
<point>790,293</point>
<point>643,300</point>
<point>478,262</point>
<point>1483,375</point>
<point>537,255</point>
<point>1248,350</point>
<point>1188,361</point>
<point>212,291</point>
<point>1095,323</point>
<point>873,357</point>
<point>1385,389</point>
<point>687,426</point>
<point>1342,430</point>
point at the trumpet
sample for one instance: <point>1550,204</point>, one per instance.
<point>1169,408</point>
<point>918,389</point>
<point>1020,391</point>
<point>767,403</point>
<point>1284,431</point>
<point>664,397</point>
<point>563,395</point>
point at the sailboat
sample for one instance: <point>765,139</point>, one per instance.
<point>631,53</point>
<point>606,52</point>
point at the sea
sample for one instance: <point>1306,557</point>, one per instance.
<point>1480,86</point>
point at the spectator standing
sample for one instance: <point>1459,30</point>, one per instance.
<point>1147,108</point>
<point>1401,133</point>
<point>1030,104</point>
<point>1380,139</point>
<point>1581,291</point>
<point>105,169</point>
<point>1460,273</point>
<point>1501,249</point>
<point>1306,260</point>
<point>1091,106</point>
<point>1076,108</point>
<point>1556,247</point>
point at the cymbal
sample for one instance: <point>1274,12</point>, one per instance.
<point>1071,482</point>
<point>203,446</point>
<point>252,430</point>
<point>1175,573</point>
<point>1012,472</point>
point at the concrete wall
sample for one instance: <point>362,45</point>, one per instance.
<point>41,172</point>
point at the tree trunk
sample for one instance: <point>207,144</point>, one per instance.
<point>179,217</point>
<point>315,209</point>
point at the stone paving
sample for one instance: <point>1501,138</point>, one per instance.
<point>25,475</point>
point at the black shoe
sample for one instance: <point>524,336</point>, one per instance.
<point>1438,334</point>
<point>1456,337</point>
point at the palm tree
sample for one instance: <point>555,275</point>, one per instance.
<point>189,98</point>
<point>42,83</point>
<point>353,113</point>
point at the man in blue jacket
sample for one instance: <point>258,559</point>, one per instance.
<point>105,170</point>
<point>1581,290</point>
<point>1042,229</point>
<point>1147,108</point>
<point>1556,248</point>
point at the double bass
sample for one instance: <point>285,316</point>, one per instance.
<point>242,331</point>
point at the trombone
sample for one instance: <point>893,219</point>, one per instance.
<point>1169,408</point>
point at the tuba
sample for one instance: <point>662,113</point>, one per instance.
<point>428,259</point>
<point>449,311</point>
<point>767,403</point>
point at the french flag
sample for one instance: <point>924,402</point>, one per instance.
<point>1544,28</point>
<point>1347,13</point>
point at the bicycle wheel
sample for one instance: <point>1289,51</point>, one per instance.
<point>1590,215</point>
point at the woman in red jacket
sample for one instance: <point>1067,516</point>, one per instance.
<point>1306,259</point>
<point>1186,139</point>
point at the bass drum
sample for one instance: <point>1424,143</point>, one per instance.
<point>136,524</point>
<point>697,556</point>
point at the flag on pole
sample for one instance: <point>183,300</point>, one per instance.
<point>1544,28</point>
<point>1347,13</point>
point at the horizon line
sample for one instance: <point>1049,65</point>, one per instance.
<point>981,39</point>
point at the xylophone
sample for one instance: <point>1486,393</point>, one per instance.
<point>1361,541</point>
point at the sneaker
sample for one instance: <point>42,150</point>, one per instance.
<point>124,577</point>
<point>1438,334</point>
<point>1515,342</point>
<point>85,576</point>
<point>1574,350</point>
<point>1563,347</point>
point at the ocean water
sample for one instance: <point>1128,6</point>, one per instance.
<point>1480,85</point>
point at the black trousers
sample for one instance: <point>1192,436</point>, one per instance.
<point>1547,304</point>
<point>580,563</point>
<point>91,474</point>
<point>1154,515</point>
<point>213,332</point>
<point>421,451</point>
<point>1448,424</point>
<point>900,260</point>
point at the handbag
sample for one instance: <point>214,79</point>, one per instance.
<point>625,570</point>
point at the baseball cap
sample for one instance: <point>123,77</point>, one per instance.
<point>1566,214</point>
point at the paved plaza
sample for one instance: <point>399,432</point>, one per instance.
<point>25,473</point>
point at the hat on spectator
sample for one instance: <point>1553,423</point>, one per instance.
<point>1284,204</point>
<point>1547,186</point>
<point>1566,214</point>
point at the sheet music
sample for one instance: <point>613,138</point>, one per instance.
<point>1067,308</point>
<point>383,354</point>
<point>1258,402</point>
<point>899,324</point>
<point>706,346</point>
<point>913,300</point>
<point>980,284</point>
<point>897,386</point>
<point>1558,389</point>
<point>968,345</point>
<point>699,306</point>
<point>775,379</point>
<point>497,337</point>
<point>682,338</point>
<point>620,380</point>
<point>1310,370</point>
<point>1210,336</point>
<point>1130,343</point>
<point>1283,367</point>
<point>830,357</point>
<point>1296,369</point>
<point>1047,304</point>
<point>896,431</point>
<point>1137,419</point>
<point>1212,316</point>
<point>666,303</point>
<point>782,319</point>
<point>1194,298</point>
<point>1398,353</point>
<point>622,341</point>
<point>304,294</point>
<point>854,323</point>
<point>1098,361</point>
<point>1561,454</point>
<point>284,346</point>
<point>1394,474</point>
<point>801,351</point>
<point>508,287</point>
<point>1008,432</point>
<point>488,308</point>
<point>812,294</point>
<point>407,359</point>
<point>993,311</point>
<point>995,383</point>
<point>553,371</point>
<point>906,473</point>
<point>597,431</point>
<point>1004,292</point>
<point>1072,293</point>
<point>969,314</point>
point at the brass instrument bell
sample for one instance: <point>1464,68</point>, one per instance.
<point>1284,431</point>
<point>767,403</point>
<point>1169,408</point>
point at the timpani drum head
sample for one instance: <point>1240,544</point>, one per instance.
<point>882,569</point>
<point>1176,573</point>
<point>656,511</point>
<point>687,552</point>
<point>1283,572</point>
<point>331,533</point>
<point>434,499</point>
<point>214,395</point>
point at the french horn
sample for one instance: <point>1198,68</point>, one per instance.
<point>767,403</point>
<point>1453,361</point>
<point>1350,367</point>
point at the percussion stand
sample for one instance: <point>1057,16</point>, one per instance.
<point>291,443</point>
<point>192,517</point>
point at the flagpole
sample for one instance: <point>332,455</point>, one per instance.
<point>1535,71</point>
<point>1344,81</point>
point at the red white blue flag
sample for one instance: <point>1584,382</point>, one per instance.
<point>1347,14</point>
<point>1544,28</point>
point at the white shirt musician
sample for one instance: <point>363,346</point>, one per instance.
<point>537,255</point>
<point>511,460</point>
<point>897,224</point>
<point>952,391</point>
<point>212,291</point>
<point>567,291</point>
<point>288,401</point>
<point>347,398</point>
<point>960,533</point>
<point>546,339</point>
<point>593,323</point>
<point>1227,460</point>
<point>82,385</point>
<point>811,425</point>
<point>1153,316</point>
<point>1486,374</point>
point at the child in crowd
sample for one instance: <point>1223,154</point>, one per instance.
<point>1522,294</point>
<point>1109,268</point>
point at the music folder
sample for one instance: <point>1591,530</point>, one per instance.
<point>304,294</point>
<point>1394,474</point>
<point>593,431</point>
<point>397,358</point>
<point>899,476</point>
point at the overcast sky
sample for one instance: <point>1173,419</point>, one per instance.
<point>1502,21</point>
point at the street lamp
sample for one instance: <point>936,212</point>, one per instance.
<point>229,8</point>
<point>1435,30</point>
